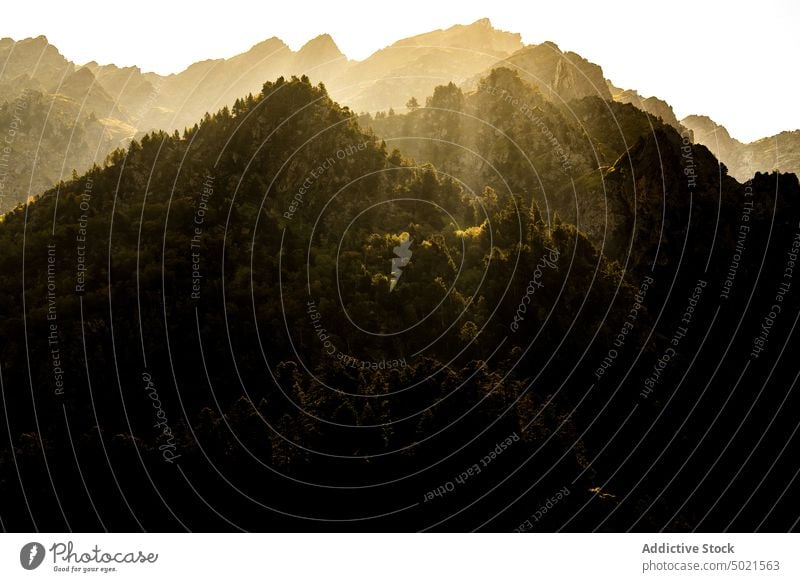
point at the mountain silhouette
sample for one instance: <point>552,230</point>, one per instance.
<point>779,152</point>
<point>126,101</point>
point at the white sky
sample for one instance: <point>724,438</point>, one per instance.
<point>736,62</point>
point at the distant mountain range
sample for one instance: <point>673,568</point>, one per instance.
<point>778,152</point>
<point>92,109</point>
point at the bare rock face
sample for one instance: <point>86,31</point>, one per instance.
<point>414,66</point>
<point>652,105</point>
<point>32,63</point>
<point>320,58</point>
<point>128,102</point>
<point>559,76</point>
<point>779,152</point>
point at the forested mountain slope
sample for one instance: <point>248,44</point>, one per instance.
<point>223,320</point>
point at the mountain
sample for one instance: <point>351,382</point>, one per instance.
<point>217,314</point>
<point>321,58</point>
<point>32,63</point>
<point>132,91</point>
<point>559,76</point>
<point>83,88</point>
<point>653,105</point>
<point>183,98</point>
<point>412,67</point>
<point>126,101</point>
<point>686,234</point>
<point>568,157</point>
<point>779,152</point>
<point>215,218</point>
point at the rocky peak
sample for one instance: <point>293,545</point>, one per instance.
<point>321,46</point>
<point>559,75</point>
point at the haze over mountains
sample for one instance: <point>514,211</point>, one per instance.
<point>87,110</point>
<point>211,330</point>
<point>781,151</point>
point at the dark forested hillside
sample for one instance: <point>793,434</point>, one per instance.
<point>291,317</point>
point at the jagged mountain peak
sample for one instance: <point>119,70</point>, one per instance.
<point>548,44</point>
<point>30,45</point>
<point>95,67</point>
<point>82,75</point>
<point>703,126</point>
<point>34,40</point>
<point>558,75</point>
<point>321,47</point>
<point>266,47</point>
<point>480,36</point>
<point>652,105</point>
<point>32,58</point>
<point>321,41</point>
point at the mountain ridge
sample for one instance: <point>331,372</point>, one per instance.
<point>136,222</point>
<point>132,102</point>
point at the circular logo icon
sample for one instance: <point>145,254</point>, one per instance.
<point>31,555</point>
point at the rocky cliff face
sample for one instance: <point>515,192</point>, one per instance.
<point>715,137</point>
<point>412,67</point>
<point>320,57</point>
<point>128,101</point>
<point>779,152</point>
<point>32,63</point>
<point>118,103</point>
<point>558,75</point>
<point>652,105</point>
<point>388,78</point>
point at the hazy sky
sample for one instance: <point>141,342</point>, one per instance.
<point>734,61</point>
